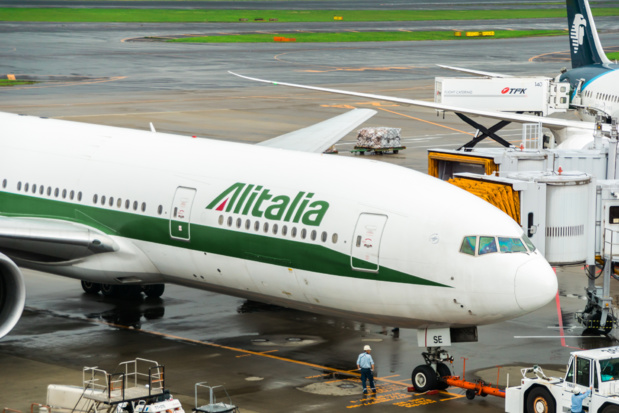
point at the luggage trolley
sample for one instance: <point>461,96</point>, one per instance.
<point>214,406</point>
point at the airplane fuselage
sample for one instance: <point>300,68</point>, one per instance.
<point>328,234</point>
<point>599,92</point>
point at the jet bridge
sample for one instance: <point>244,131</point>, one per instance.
<point>567,202</point>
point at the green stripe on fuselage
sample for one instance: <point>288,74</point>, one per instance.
<point>242,244</point>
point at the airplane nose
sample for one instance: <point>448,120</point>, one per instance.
<point>535,284</point>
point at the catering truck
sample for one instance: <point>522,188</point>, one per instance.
<point>536,94</point>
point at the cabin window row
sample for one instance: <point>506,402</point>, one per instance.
<point>46,190</point>
<point>481,245</point>
<point>118,202</point>
<point>602,96</point>
<point>275,229</point>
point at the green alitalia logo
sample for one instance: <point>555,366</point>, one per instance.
<point>259,202</point>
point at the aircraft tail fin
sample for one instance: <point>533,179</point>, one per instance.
<point>585,46</point>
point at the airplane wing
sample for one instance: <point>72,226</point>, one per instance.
<point>473,72</point>
<point>319,137</point>
<point>39,239</point>
<point>551,123</point>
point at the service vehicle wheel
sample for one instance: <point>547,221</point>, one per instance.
<point>470,394</point>
<point>539,400</point>
<point>442,370</point>
<point>424,378</point>
<point>91,288</point>
<point>611,409</point>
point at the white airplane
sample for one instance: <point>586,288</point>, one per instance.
<point>279,222</point>
<point>594,82</point>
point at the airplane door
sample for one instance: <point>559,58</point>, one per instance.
<point>364,255</point>
<point>181,211</point>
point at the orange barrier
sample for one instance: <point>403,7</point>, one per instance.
<point>284,39</point>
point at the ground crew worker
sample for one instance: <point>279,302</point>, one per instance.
<point>365,363</point>
<point>577,399</point>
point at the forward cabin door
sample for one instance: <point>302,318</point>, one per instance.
<point>364,255</point>
<point>181,212</point>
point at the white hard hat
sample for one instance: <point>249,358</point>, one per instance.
<point>366,347</point>
<point>576,390</point>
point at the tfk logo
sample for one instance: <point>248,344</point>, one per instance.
<point>252,199</point>
<point>514,91</point>
<point>577,32</point>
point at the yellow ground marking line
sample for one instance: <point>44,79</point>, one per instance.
<point>388,377</point>
<point>546,54</point>
<point>240,350</point>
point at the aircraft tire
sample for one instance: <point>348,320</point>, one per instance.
<point>90,287</point>
<point>442,370</point>
<point>424,378</point>
<point>154,290</point>
<point>109,290</point>
<point>539,400</point>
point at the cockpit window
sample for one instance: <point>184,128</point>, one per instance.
<point>511,245</point>
<point>528,242</point>
<point>468,245</point>
<point>487,245</point>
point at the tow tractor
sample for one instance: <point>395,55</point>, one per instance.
<point>598,368</point>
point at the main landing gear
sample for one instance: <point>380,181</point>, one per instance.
<point>429,376</point>
<point>123,291</point>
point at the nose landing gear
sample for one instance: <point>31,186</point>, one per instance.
<point>429,376</point>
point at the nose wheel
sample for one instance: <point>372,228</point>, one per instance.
<point>429,376</point>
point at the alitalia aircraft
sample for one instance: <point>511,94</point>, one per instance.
<point>279,222</point>
<point>593,78</point>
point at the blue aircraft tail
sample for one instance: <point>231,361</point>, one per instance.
<point>585,45</point>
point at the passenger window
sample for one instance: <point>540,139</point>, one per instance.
<point>487,245</point>
<point>468,245</point>
<point>509,245</point>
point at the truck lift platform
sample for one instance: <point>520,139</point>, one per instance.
<point>136,380</point>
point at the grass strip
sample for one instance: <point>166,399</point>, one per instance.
<point>6,82</point>
<point>187,16</point>
<point>613,56</point>
<point>363,36</point>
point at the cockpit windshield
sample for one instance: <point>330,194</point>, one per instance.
<point>481,245</point>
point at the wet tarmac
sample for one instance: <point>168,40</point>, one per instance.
<point>270,359</point>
